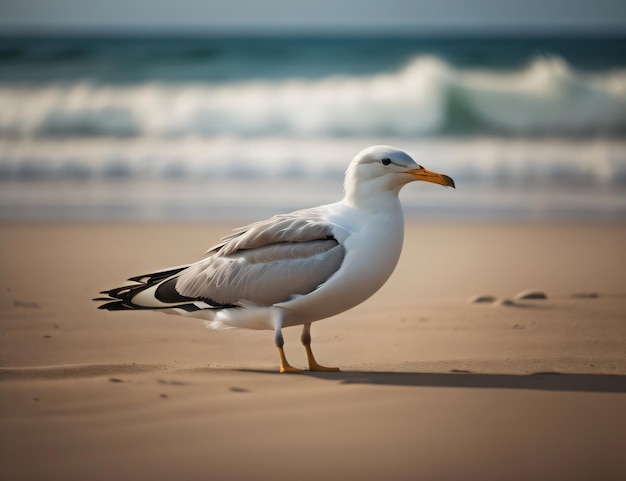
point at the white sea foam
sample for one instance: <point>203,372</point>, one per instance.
<point>426,97</point>
<point>491,160</point>
<point>250,178</point>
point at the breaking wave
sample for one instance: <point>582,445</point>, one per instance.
<point>427,97</point>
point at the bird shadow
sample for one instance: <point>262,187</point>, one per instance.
<point>540,381</point>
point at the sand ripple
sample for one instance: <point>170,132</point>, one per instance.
<point>68,371</point>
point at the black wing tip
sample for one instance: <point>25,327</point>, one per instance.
<point>114,306</point>
<point>157,276</point>
<point>141,279</point>
<point>121,298</point>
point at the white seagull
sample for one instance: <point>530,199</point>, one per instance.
<point>293,269</point>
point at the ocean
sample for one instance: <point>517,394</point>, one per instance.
<point>235,127</point>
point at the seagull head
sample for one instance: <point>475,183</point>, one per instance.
<point>386,168</point>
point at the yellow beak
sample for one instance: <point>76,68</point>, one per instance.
<point>434,177</point>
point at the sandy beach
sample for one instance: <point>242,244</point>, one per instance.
<point>432,387</point>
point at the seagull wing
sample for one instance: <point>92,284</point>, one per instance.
<point>266,263</point>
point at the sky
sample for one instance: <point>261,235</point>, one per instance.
<point>361,16</point>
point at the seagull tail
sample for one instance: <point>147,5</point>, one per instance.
<point>157,292</point>
<point>163,296</point>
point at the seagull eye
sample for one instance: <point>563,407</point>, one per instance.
<point>386,161</point>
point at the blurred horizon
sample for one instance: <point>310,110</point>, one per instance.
<point>245,33</point>
<point>326,17</point>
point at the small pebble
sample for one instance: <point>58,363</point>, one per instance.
<point>163,396</point>
<point>170,383</point>
<point>482,299</point>
<point>506,302</point>
<point>238,389</point>
<point>114,379</point>
<point>531,295</point>
<point>33,305</point>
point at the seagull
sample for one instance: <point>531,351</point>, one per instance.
<point>293,269</point>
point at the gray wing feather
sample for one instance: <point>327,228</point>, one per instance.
<point>306,226</point>
<point>266,263</point>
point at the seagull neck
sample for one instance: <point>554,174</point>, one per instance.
<point>371,198</point>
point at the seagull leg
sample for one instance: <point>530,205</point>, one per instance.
<point>284,364</point>
<point>306,341</point>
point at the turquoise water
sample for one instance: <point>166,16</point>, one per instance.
<point>174,127</point>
